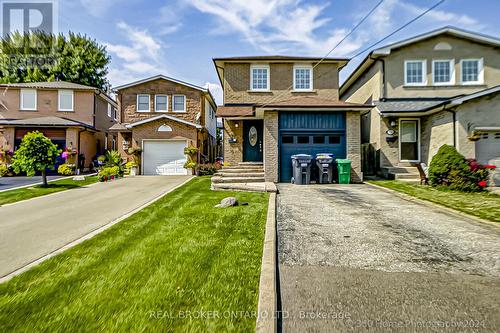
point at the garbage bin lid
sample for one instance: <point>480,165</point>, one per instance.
<point>342,160</point>
<point>302,156</point>
<point>324,154</point>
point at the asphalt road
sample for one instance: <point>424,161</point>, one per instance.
<point>357,259</point>
<point>36,227</point>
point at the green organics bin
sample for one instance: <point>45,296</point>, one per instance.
<point>344,170</point>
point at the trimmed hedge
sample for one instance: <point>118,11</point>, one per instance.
<point>450,168</point>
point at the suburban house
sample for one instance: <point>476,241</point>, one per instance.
<point>71,115</point>
<point>161,116</point>
<point>278,106</point>
<point>441,87</point>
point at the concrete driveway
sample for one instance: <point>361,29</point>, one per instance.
<point>7,183</point>
<point>34,228</point>
<point>355,259</point>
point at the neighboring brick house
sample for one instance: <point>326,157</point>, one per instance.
<point>71,115</point>
<point>278,106</point>
<point>441,87</point>
<point>162,116</point>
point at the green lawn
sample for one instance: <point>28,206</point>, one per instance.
<point>483,205</point>
<point>144,274</point>
<point>36,191</point>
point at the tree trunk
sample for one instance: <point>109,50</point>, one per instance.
<point>44,178</point>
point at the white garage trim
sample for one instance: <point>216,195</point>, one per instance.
<point>158,140</point>
<point>163,116</point>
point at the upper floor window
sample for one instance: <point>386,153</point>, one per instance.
<point>109,110</point>
<point>259,77</point>
<point>142,103</point>
<point>443,72</point>
<point>415,73</point>
<point>161,103</point>
<point>179,103</point>
<point>28,99</point>
<point>472,71</point>
<point>115,114</point>
<point>302,78</point>
<point>65,100</point>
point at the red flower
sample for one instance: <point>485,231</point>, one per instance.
<point>490,166</point>
<point>483,183</point>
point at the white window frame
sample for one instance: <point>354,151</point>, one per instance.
<point>21,99</point>
<point>268,79</point>
<point>480,75</point>
<point>137,103</point>
<point>115,113</point>
<point>308,67</point>
<point>161,95</point>
<point>173,109</point>
<point>419,138</point>
<point>59,93</point>
<point>105,141</point>
<point>109,110</point>
<point>424,73</point>
<point>451,63</point>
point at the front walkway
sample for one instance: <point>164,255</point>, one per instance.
<point>34,228</point>
<point>354,258</point>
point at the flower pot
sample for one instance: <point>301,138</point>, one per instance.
<point>133,171</point>
<point>105,178</point>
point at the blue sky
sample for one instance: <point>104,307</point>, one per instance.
<point>179,38</point>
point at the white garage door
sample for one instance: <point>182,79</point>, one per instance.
<point>164,158</point>
<point>488,152</point>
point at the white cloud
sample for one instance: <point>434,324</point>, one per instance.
<point>141,56</point>
<point>216,90</point>
<point>98,8</point>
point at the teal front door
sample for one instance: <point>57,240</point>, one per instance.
<point>252,140</point>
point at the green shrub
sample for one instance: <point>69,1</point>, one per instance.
<point>190,165</point>
<point>449,168</point>
<point>4,169</point>
<point>107,172</point>
<point>190,151</point>
<point>66,169</point>
<point>129,166</point>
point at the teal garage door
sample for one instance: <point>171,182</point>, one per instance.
<point>309,133</point>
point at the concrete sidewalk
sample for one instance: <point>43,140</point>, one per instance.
<point>34,228</point>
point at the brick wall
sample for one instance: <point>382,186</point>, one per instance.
<point>353,138</point>
<point>128,100</point>
<point>150,131</point>
<point>237,83</point>
<point>271,152</point>
<point>233,152</point>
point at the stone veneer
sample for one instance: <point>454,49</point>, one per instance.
<point>233,152</point>
<point>271,151</point>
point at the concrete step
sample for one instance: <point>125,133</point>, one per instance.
<point>252,163</point>
<point>217,179</point>
<point>411,181</point>
<point>248,187</point>
<point>241,170</point>
<point>394,170</point>
<point>240,174</point>
<point>232,167</point>
<point>409,176</point>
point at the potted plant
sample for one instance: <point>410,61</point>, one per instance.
<point>131,168</point>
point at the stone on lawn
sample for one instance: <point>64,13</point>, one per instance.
<point>79,178</point>
<point>227,202</point>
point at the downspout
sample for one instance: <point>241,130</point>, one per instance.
<point>384,81</point>
<point>454,115</point>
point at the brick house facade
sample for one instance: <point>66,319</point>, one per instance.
<point>277,106</point>
<point>170,112</point>
<point>81,121</point>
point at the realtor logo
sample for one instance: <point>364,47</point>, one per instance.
<point>27,17</point>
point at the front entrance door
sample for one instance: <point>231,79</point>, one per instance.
<point>252,140</point>
<point>409,138</point>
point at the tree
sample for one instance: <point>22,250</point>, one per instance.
<point>45,57</point>
<point>36,153</point>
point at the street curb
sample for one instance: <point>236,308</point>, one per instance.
<point>430,204</point>
<point>50,181</point>
<point>267,308</point>
<point>89,235</point>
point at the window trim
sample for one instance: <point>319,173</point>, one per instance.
<point>161,95</point>
<point>109,110</point>
<point>137,103</point>
<point>451,62</point>
<point>173,109</point>
<point>480,74</point>
<point>424,73</point>
<point>21,100</point>
<point>268,77</point>
<point>59,100</point>
<point>311,74</point>
<point>115,114</point>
